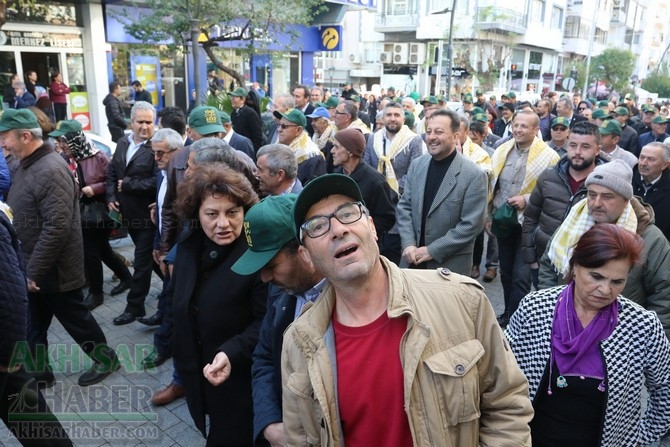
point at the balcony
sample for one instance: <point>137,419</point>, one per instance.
<point>503,20</point>
<point>390,23</point>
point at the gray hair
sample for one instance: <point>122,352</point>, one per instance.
<point>350,109</point>
<point>142,105</point>
<point>409,100</point>
<point>465,121</point>
<point>285,100</point>
<point>665,146</point>
<point>170,137</point>
<point>279,156</point>
<point>566,102</point>
<point>36,133</point>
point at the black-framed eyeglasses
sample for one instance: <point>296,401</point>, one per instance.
<point>559,128</point>
<point>158,154</point>
<point>346,214</point>
<point>337,112</point>
<point>286,126</point>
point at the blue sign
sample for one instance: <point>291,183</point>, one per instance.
<point>330,38</point>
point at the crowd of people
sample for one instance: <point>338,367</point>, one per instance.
<point>306,253</point>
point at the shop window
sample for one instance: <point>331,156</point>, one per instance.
<point>51,13</point>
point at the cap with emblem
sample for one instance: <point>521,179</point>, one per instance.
<point>511,95</point>
<point>621,111</point>
<point>330,103</point>
<point>356,98</point>
<point>467,97</point>
<point>18,119</point>
<point>660,119</point>
<point>205,120</point>
<point>268,226</point>
<point>429,100</point>
<point>610,127</point>
<point>476,110</point>
<point>560,121</point>
<point>481,117</point>
<point>66,126</point>
<point>293,115</point>
<point>599,114</point>
<point>629,96</point>
<point>603,103</point>
<point>240,92</point>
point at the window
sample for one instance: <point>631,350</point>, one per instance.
<point>537,11</point>
<point>556,18</point>
<point>400,7</point>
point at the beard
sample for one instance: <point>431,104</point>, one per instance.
<point>582,164</point>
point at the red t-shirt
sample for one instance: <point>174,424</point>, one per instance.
<point>575,184</point>
<point>370,383</point>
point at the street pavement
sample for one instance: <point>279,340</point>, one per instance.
<point>117,412</point>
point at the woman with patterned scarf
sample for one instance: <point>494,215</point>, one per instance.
<point>588,352</point>
<point>324,130</point>
<point>91,173</point>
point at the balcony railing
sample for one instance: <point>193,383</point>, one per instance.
<point>501,19</point>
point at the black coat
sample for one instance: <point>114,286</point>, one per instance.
<point>144,95</point>
<point>247,123</point>
<point>114,112</point>
<point>658,197</point>
<point>379,198</point>
<point>216,310</point>
<point>139,184</point>
<point>308,111</point>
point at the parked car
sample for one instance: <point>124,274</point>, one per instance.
<point>103,144</point>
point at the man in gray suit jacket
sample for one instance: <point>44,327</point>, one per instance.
<point>443,206</point>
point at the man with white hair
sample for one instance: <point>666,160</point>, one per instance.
<point>651,181</point>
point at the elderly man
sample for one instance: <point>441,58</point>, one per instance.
<point>245,120</point>
<point>443,206</point>
<point>557,189</point>
<point>348,148</point>
<point>273,249</point>
<point>651,181</point>
<point>609,199</point>
<point>517,164</point>
<point>311,162</point>
<point>346,117</point>
<point>644,118</point>
<point>628,139</point>
<point>324,129</point>
<point>281,104</point>
<point>564,108</point>
<point>369,325</point>
<point>45,200</point>
<point>610,132</point>
<point>131,188</point>
<point>277,170</point>
<point>658,133</point>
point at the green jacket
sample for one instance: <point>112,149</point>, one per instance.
<point>462,386</point>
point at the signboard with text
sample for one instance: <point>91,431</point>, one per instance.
<point>41,39</point>
<point>80,109</point>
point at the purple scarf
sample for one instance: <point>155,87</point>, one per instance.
<point>574,348</point>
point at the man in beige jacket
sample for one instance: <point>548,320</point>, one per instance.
<point>389,356</point>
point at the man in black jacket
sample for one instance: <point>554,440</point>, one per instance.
<point>131,188</point>
<point>651,181</point>
<point>140,93</point>
<point>115,122</point>
<point>245,120</point>
<point>273,249</point>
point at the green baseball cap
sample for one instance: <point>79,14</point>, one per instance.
<point>225,118</point>
<point>599,114</point>
<point>603,103</point>
<point>467,97</point>
<point>476,110</point>
<point>511,95</point>
<point>240,92</point>
<point>646,108</point>
<point>409,119</point>
<point>293,115</point>
<point>621,111</point>
<point>331,103</point>
<point>317,189</point>
<point>18,119</point>
<point>609,127</point>
<point>268,226</point>
<point>481,117</point>
<point>479,93</point>
<point>205,120</point>
<point>65,126</point>
<point>560,121</point>
<point>660,119</point>
<point>356,98</point>
<point>629,96</point>
<point>429,100</point>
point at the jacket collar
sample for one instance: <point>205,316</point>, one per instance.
<point>38,154</point>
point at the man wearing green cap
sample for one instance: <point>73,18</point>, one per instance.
<point>658,133</point>
<point>366,363</point>
<point>234,139</point>
<point>643,121</point>
<point>311,162</point>
<point>560,130</point>
<point>610,131</point>
<point>628,140</point>
<point>45,201</point>
<point>203,122</point>
<point>598,116</point>
<point>273,250</point>
<point>245,120</point>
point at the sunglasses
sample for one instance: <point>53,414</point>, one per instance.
<point>559,128</point>
<point>286,126</point>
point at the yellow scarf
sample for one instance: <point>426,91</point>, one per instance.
<point>540,157</point>
<point>304,148</point>
<point>399,142</point>
<point>360,125</point>
<point>325,137</point>
<point>7,210</point>
<point>475,153</point>
<point>578,222</point>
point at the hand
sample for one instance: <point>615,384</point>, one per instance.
<point>87,191</point>
<point>409,254</point>
<point>32,286</point>
<point>534,266</point>
<point>113,206</point>
<point>274,434</point>
<point>152,213</point>
<point>156,254</point>
<point>119,185</point>
<point>518,202</point>
<point>422,255</point>
<point>218,371</point>
<point>487,228</point>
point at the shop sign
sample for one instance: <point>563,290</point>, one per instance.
<point>40,39</point>
<point>80,109</point>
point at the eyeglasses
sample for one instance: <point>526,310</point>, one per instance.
<point>559,128</point>
<point>158,154</point>
<point>286,126</point>
<point>346,214</point>
<point>337,112</point>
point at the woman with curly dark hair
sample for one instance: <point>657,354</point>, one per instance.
<point>217,312</point>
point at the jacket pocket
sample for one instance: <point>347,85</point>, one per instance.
<point>456,382</point>
<point>309,412</point>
